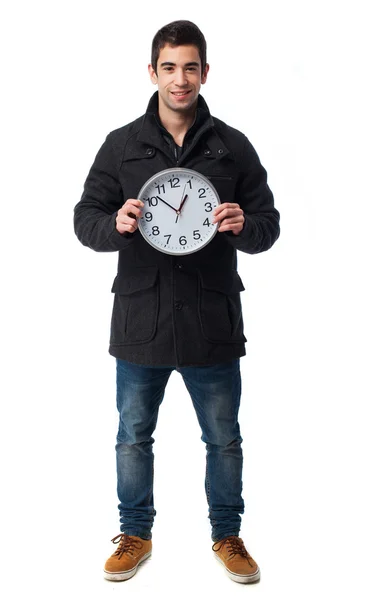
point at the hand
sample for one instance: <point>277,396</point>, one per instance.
<point>230,217</point>
<point>126,219</point>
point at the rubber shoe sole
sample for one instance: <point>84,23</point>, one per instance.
<point>123,575</point>
<point>237,577</point>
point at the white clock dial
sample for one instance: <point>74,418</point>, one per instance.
<point>178,212</point>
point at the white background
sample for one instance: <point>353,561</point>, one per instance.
<point>293,77</point>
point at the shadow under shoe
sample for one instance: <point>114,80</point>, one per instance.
<point>232,554</point>
<point>132,550</point>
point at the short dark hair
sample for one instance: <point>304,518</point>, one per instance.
<point>178,33</point>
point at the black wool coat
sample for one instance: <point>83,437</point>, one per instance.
<point>168,310</point>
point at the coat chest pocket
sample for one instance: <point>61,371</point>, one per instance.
<point>219,307</point>
<point>136,305</point>
<point>225,186</point>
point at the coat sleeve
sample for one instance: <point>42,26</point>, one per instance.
<point>261,227</point>
<point>95,213</point>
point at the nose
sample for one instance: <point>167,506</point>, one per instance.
<point>180,77</point>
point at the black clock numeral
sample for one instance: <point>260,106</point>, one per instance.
<point>190,183</point>
<point>169,235</point>
<point>208,206</point>
<point>202,193</point>
<point>155,230</point>
<point>206,222</point>
<point>174,182</point>
<point>158,187</point>
<point>153,201</point>
<point>196,234</point>
<point>148,216</point>
<point>182,240</point>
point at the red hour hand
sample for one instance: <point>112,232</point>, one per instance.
<point>181,206</point>
<point>182,203</point>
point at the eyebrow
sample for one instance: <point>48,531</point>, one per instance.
<point>171,64</point>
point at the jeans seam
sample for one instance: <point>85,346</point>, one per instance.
<point>207,484</point>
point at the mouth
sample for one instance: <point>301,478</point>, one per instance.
<point>181,94</point>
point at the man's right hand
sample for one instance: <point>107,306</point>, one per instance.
<point>126,220</point>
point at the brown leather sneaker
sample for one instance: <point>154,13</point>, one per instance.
<point>238,563</point>
<point>132,550</point>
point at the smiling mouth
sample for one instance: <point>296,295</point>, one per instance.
<point>180,94</point>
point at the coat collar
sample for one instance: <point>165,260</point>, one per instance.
<point>152,129</point>
<point>152,132</point>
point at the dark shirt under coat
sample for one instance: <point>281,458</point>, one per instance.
<point>172,310</point>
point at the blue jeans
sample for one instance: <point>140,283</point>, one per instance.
<point>215,392</point>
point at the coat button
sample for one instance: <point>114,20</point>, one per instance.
<point>220,151</point>
<point>178,305</point>
<point>207,152</point>
<point>179,266</point>
<point>149,151</point>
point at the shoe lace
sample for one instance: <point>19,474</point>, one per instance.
<point>235,546</point>
<point>127,544</point>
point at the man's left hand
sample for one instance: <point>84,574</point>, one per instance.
<point>230,217</point>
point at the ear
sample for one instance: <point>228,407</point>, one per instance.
<point>205,73</point>
<point>153,76</point>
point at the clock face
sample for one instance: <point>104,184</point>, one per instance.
<point>177,216</point>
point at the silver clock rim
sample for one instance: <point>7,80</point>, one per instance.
<point>166,172</point>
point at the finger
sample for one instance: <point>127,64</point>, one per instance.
<point>124,220</point>
<point>131,221</point>
<point>127,225</point>
<point>235,227</point>
<point>228,213</point>
<point>126,228</point>
<point>225,205</point>
<point>134,202</point>
<point>132,210</point>
<point>233,221</point>
<point>227,208</point>
<point>132,205</point>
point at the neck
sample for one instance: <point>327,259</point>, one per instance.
<point>177,123</point>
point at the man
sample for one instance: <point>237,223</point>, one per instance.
<point>178,313</point>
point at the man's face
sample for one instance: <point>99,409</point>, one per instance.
<point>178,77</point>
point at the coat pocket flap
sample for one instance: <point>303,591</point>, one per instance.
<point>134,152</point>
<point>138,280</point>
<point>226,283</point>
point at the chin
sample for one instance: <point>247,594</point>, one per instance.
<point>184,106</point>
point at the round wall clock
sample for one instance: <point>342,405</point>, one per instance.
<point>177,216</point>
